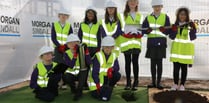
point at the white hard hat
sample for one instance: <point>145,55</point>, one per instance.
<point>64,11</point>
<point>108,41</point>
<point>91,8</point>
<point>110,3</point>
<point>72,38</point>
<point>157,2</point>
<point>45,49</point>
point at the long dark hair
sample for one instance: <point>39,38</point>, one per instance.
<point>86,20</point>
<point>186,10</point>
<point>107,16</point>
<point>127,10</point>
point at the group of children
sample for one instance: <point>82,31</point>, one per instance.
<point>104,40</point>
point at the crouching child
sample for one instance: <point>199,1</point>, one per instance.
<point>43,79</point>
<point>74,72</point>
<point>105,71</point>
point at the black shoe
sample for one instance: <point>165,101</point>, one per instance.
<point>128,85</point>
<point>77,96</point>
<point>135,85</point>
<point>151,86</point>
<point>127,88</point>
<point>160,87</point>
<point>85,87</point>
<point>134,88</point>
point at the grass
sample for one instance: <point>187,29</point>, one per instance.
<point>25,95</point>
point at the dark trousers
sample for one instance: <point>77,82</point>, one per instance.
<point>58,58</point>
<point>70,79</point>
<point>130,57</point>
<point>177,67</point>
<point>51,91</point>
<point>156,67</point>
<point>107,87</point>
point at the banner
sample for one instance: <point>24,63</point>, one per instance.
<point>25,26</point>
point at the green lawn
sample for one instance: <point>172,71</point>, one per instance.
<point>25,95</point>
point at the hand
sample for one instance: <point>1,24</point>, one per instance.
<point>109,73</point>
<point>139,36</point>
<point>98,49</point>
<point>98,88</point>
<point>174,27</point>
<point>162,29</point>
<point>86,49</point>
<point>149,30</point>
<point>192,25</point>
<point>127,35</point>
<point>75,50</point>
<point>61,48</point>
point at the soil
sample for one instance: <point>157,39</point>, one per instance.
<point>179,97</point>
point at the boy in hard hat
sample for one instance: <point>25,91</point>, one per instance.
<point>105,71</point>
<point>156,23</point>
<point>59,32</point>
<point>43,81</point>
<point>73,73</point>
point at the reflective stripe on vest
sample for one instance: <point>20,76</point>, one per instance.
<point>75,69</point>
<point>62,32</point>
<point>109,29</point>
<point>122,21</point>
<point>182,49</point>
<point>104,65</point>
<point>90,34</point>
<point>131,43</point>
<point>42,80</point>
<point>93,84</point>
<point>156,23</point>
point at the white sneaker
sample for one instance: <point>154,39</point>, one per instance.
<point>182,88</point>
<point>174,87</point>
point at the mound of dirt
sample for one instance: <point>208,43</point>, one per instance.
<point>179,97</point>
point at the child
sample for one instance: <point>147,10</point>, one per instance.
<point>156,42</point>
<point>182,48</point>
<point>60,30</point>
<point>73,73</point>
<point>131,42</point>
<point>111,25</point>
<point>45,85</point>
<point>105,72</point>
<point>89,32</point>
